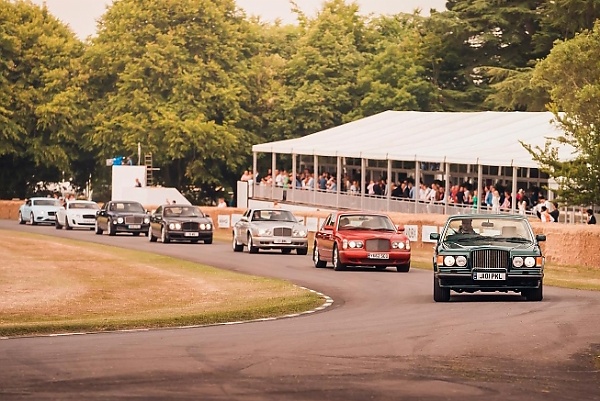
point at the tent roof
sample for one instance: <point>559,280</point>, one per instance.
<point>487,138</point>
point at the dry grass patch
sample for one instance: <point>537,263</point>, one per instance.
<point>57,285</point>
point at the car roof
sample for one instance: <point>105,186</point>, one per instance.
<point>487,216</point>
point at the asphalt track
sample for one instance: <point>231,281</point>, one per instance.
<point>383,339</point>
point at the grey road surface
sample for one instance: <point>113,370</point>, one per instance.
<point>383,339</point>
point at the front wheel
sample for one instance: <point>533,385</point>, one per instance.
<point>164,237</point>
<point>251,247</point>
<point>208,241</point>
<point>440,294</point>
<point>57,224</point>
<point>32,219</point>
<point>286,251</point>
<point>151,236</point>
<point>403,268</point>
<point>67,226</point>
<point>317,258</point>
<point>337,263</point>
<point>302,251</point>
<point>534,294</point>
<point>21,221</point>
<point>110,229</point>
<point>237,247</point>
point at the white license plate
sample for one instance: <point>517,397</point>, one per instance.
<point>134,226</point>
<point>490,276</point>
<point>282,241</point>
<point>89,221</point>
<point>379,256</point>
<point>191,234</point>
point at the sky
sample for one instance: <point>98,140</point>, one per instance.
<point>81,15</point>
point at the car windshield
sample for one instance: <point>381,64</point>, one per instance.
<point>127,207</point>
<point>83,205</point>
<point>476,229</point>
<point>45,202</point>
<point>183,211</point>
<point>273,215</point>
<point>365,222</point>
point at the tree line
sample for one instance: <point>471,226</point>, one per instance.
<point>197,82</point>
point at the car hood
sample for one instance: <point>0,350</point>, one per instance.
<point>45,207</point>
<point>272,224</point>
<point>82,211</point>
<point>371,234</point>
<point>186,219</point>
<point>492,244</point>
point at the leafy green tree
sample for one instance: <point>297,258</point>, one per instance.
<point>571,74</point>
<point>40,98</point>
<point>171,77</point>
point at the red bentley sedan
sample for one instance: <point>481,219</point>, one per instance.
<point>361,239</point>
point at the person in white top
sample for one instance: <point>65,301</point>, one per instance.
<point>221,203</point>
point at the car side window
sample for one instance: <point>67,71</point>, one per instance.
<point>328,221</point>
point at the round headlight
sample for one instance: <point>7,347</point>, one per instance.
<point>449,261</point>
<point>208,226</point>
<point>352,244</point>
<point>529,261</point>
<point>146,220</point>
<point>120,220</point>
<point>461,261</point>
<point>172,226</point>
<point>518,261</point>
<point>202,226</point>
<point>399,245</point>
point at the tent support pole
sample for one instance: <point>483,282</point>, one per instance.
<point>417,185</point>
<point>363,182</point>
<point>513,204</point>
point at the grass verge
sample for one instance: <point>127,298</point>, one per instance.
<point>52,285</point>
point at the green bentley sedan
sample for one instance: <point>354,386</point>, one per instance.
<point>488,253</point>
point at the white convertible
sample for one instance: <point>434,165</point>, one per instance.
<point>77,214</point>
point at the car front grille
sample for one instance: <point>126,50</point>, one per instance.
<point>282,232</point>
<point>190,226</point>
<point>490,259</point>
<point>134,219</point>
<point>51,213</point>
<point>89,216</point>
<point>377,245</point>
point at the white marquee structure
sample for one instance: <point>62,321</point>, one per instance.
<point>476,146</point>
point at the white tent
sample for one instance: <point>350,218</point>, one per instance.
<point>479,138</point>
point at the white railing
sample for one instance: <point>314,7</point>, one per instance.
<point>344,200</point>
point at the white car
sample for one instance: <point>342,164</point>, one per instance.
<point>77,214</point>
<point>38,210</point>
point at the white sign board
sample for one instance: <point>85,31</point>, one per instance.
<point>426,231</point>
<point>223,221</point>
<point>412,232</point>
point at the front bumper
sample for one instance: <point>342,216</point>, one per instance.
<point>280,242</point>
<point>357,257</point>
<point>131,228</point>
<point>45,217</point>
<point>80,222</point>
<point>514,282</point>
<point>189,235</point>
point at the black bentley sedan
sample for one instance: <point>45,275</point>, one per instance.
<point>174,222</point>
<point>117,217</point>
<point>488,253</point>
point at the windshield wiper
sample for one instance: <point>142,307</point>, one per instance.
<point>515,239</point>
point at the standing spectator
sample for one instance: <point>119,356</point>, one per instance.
<point>555,212</point>
<point>545,216</point>
<point>489,196</point>
<point>221,203</point>
<point>138,184</point>
<point>495,201</point>
<point>591,219</point>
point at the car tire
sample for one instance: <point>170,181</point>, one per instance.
<point>208,241</point>
<point>237,247</point>
<point>136,234</point>
<point>403,268</point>
<point>164,238</point>
<point>317,258</point>
<point>286,251</point>
<point>32,219</point>
<point>251,247</point>
<point>337,264</point>
<point>302,251</point>
<point>97,229</point>
<point>534,294</point>
<point>57,224</point>
<point>151,236</point>
<point>21,221</point>
<point>110,229</point>
<point>440,294</point>
<point>380,268</point>
<point>67,226</point>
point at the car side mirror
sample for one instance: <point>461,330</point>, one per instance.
<point>400,228</point>
<point>328,228</point>
<point>540,237</point>
<point>434,236</point>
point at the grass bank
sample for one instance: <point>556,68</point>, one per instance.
<point>52,285</point>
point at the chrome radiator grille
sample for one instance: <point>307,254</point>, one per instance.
<point>133,219</point>
<point>490,259</point>
<point>282,232</point>
<point>89,216</point>
<point>377,245</point>
<point>190,226</point>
